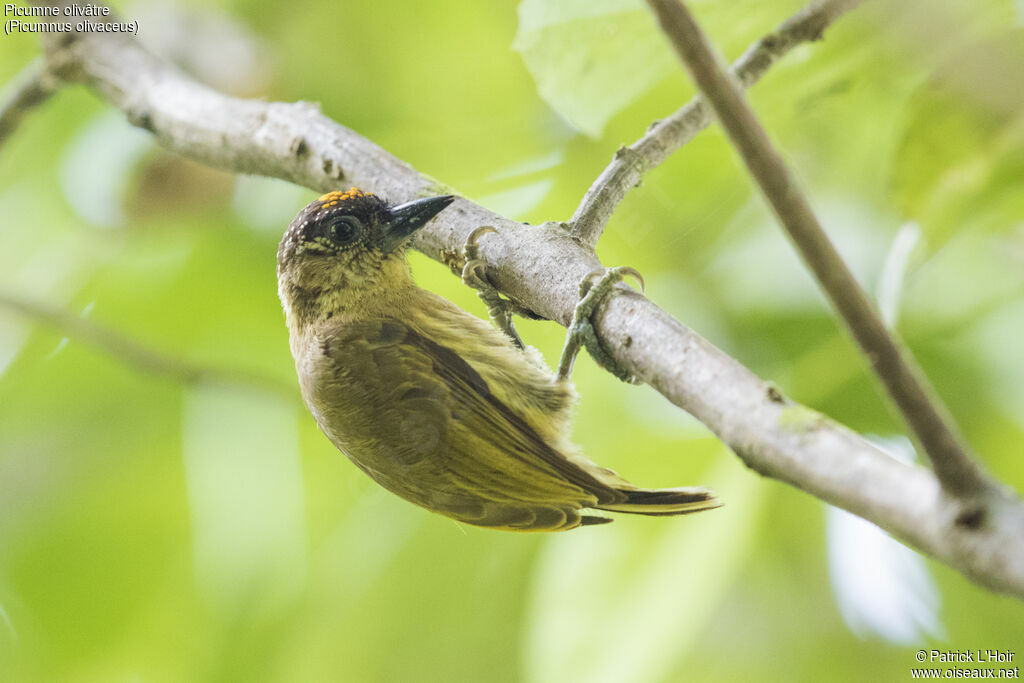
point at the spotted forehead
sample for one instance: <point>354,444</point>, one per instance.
<point>337,196</point>
<point>300,236</point>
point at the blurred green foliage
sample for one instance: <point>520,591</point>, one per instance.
<point>156,529</point>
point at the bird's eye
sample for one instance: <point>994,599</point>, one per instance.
<point>345,229</point>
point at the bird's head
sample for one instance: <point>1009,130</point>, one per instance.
<point>348,244</point>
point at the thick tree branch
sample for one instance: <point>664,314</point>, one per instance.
<point>32,87</point>
<point>135,355</point>
<point>666,136</point>
<point>541,267</point>
<point>917,402</point>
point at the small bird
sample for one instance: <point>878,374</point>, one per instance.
<point>435,404</point>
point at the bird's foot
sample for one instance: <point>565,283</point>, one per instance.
<point>581,329</point>
<point>474,274</point>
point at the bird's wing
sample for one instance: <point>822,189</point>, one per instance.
<point>487,448</point>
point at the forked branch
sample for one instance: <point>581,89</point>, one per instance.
<point>666,136</point>
<point>540,267</point>
<point>920,406</point>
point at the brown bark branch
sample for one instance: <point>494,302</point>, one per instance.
<point>135,355</point>
<point>666,136</point>
<point>921,408</point>
<point>541,267</point>
<point>33,86</point>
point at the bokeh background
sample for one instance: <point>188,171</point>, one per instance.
<point>182,518</point>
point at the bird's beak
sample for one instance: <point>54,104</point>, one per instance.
<point>409,217</point>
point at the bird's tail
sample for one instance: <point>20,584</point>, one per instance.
<point>664,502</point>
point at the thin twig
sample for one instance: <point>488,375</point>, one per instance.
<point>920,406</point>
<point>135,355</point>
<point>29,89</point>
<point>540,267</point>
<point>666,136</point>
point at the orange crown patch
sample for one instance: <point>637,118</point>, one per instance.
<point>332,198</point>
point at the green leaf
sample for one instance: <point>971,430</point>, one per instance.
<point>628,603</point>
<point>591,58</point>
<point>962,156</point>
<point>249,536</point>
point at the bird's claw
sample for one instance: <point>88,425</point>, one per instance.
<point>594,288</point>
<point>471,250</point>
<point>474,274</point>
